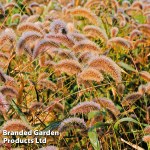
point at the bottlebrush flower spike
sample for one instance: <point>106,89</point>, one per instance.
<point>142,89</point>
<point>145,75</point>
<point>65,40</point>
<point>135,33</point>
<point>7,35</point>
<point>146,138</point>
<point>68,66</point>
<point>24,39</point>
<point>91,74</point>
<point>90,3</point>
<point>145,28</point>
<point>8,91</point>
<point>2,9</point>
<point>4,105</point>
<point>108,104</point>
<point>85,56</point>
<point>47,84</point>
<point>86,45</point>
<point>114,31</point>
<point>48,148</point>
<point>36,105</point>
<point>11,5</point>
<point>118,41</point>
<point>93,19</point>
<point>27,26</point>
<point>104,63</point>
<point>148,88</point>
<point>77,36</point>
<point>147,130</point>
<point>131,98</point>
<point>42,46</point>
<point>15,125</point>
<point>2,76</point>
<point>95,32</point>
<point>58,26</point>
<point>71,123</point>
<point>84,107</point>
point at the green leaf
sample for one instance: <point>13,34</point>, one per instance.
<point>52,125</point>
<point>127,119</point>
<point>99,124</point>
<point>126,66</point>
<point>93,114</point>
<point>19,112</point>
<point>94,139</point>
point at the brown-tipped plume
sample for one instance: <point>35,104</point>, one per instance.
<point>85,56</point>
<point>142,89</point>
<point>121,42</point>
<point>145,28</point>
<point>114,31</point>
<point>68,66</point>
<point>84,107</point>
<point>11,5</point>
<point>86,45</point>
<point>91,74</point>
<point>145,75</point>
<point>95,32</point>
<point>47,84</point>
<point>36,106</point>
<point>43,46</point>
<point>2,9</point>
<point>32,18</point>
<point>147,130</point>
<point>15,125</point>
<point>24,39</point>
<point>2,76</point>
<point>77,36</point>
<point>91,3</point>
<point>106,103</point>
<point>65,40</point>
<point>9,91</point>
<point>69,123</point>
<point>146,138</point>
<point>4,105</point>
<point>134,34</point>
<point>131,98</point>
<point>85,13</point>
<point>58,26</point>
<point>27,26</point>
<point>107,65</point>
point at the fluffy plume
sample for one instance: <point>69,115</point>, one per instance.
<point>86,45</point>
<point>8,35</point>
<point>84,107</point>
<point>27,26</point>
<point>147,130</point>
<point>4,106</point>
<point>121,42</point>
<point>145,75</point>
<point>47,84</point>
<point>11,5</point>
<point>137,4</point>
<point>43,46</point>
<point>65,40</point>
<point>85,13</point>
<point>71,123</point>
<point>26,37</point>
<point>90,3</point>
<point>33,19</point>
<point>85,56</point>
<point>95,32</point>
<point>120,88</point>
<point>147,88</point>
<point>77,36</point>
<point>106,103</point>
<point>107,65</point>
<point>114,31</point>
<point>9,91</point>
<point>70,67</point>
<point>135,33</point>
<point>2,76</point>
<point>58,26</point>
<point>145,28</point>
<point>131,98</point>
<point>2,9</point>
<point>15,125</point>
<point>146,138</point>
<point>35,106</point>
<point>91,74</point>
<point>142,89</point>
